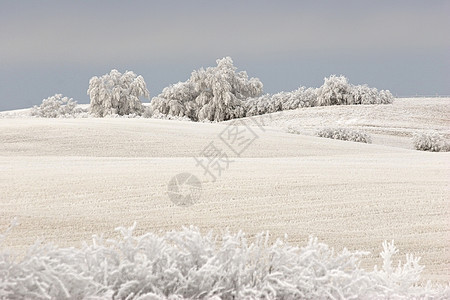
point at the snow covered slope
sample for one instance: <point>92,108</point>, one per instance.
<point>391,125</point>
<point>66,179</point>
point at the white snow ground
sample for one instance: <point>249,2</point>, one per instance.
<point>67,179</point>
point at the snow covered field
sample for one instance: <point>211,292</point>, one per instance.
<point>67,179</point>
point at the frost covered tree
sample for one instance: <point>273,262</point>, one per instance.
<point>335,91</point>
<point>363,94</point>
<point>117,93</point>
<point>259,105</point>
<point>301,97</point>
<point>385,97</point>
<point>215,94</point>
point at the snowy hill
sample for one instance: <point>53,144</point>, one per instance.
<point>66,179</point>
<point>391,125</point>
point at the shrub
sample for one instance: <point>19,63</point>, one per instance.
<point>117,93</point>
<point>189,265</point>
<point>56,106</point>
<point>344,134</point>
<point>214,94</point>
<point>293,130</point>
<point>433,142</point>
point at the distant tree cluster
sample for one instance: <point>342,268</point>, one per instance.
<point>219,93</point>
<point>335,91</point>
<point>214,94</point>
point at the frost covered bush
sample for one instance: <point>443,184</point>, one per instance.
<point>344,134</point>
<point>433,142</point>
<point>189,265</point>
<point>293,130</point>
<point>117,93</point>
<point>215,94</point>
<point>56,106</point>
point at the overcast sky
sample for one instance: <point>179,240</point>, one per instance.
<point>50,47</point>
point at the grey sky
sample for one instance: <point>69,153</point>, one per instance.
<point>50,47</point>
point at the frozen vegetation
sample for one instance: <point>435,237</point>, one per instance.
<point>345,134</point>
<point>117,93</point>
<point>219,93</point>
<point>302,97</point>
<point>187,264</point>
<point>433,142</point>
<point>57,106</point>
<point>213,94</point>
<point>337,91</point>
